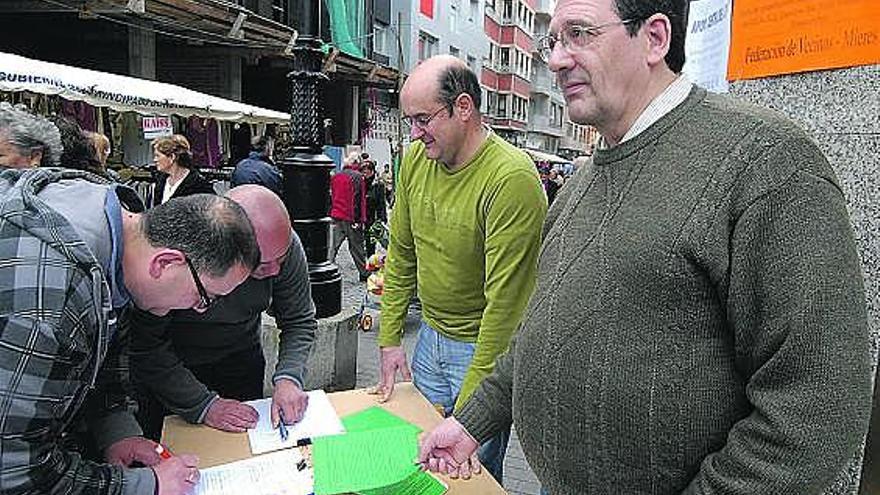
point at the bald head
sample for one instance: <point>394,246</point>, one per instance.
<point>271,224</point>
<point>443,78</point>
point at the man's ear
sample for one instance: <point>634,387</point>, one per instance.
<point>164,258</point>
<point>465,106</point>
<point>658,29</point>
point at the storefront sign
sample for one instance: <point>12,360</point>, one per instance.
<point>772,37</point>
<point>155,127</point>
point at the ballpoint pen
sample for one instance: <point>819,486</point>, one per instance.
<point>281,428</point>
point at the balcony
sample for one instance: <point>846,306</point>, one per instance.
<point>544,125</point>
<point>572,144</point>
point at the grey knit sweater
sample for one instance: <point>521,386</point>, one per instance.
<point>699,322</point>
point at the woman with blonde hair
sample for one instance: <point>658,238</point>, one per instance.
<point>178,175</point>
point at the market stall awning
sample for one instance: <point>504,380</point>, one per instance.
<point>540,156</point>
<point>123,93</point>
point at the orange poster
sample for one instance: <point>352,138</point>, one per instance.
<point>771,37</point>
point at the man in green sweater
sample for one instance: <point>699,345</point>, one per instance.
<point>466,228</point>
<point>699,322</point>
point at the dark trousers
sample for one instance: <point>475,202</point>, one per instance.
<point>237,376</point>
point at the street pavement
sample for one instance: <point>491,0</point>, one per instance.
<point>518,477</point>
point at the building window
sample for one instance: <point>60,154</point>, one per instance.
<point>507,9</point>
<point>491,103</point>
<point>455,52</point>
<point>474,12</point>
<point>380,39</point>
<point>502,106</point>
<point>520,109</point>
<point>503,59</point>
<point>472,64</point>
<point>427,46</point>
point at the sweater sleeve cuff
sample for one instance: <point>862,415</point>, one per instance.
<point>476,420</point>
<point>287,376</point>
<point>200,418</point>
<point>113,428</point>
<point>139,481</point>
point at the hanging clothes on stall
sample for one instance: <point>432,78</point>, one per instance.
<point>204,139</point>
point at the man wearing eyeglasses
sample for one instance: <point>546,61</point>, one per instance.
<point>699,323</point>
<point>202,363</point>
<point>466,229</point>
<point>77,251</point>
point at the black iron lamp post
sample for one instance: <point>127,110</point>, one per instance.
<point>306,171</point>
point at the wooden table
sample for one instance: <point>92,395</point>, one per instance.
<point>216,447</point>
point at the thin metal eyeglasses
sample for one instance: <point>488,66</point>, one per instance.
<point>421,121</point>
<point>205,301</point>
<point>574,37</point>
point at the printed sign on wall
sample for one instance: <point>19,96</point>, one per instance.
<point>707,44</point>
<point>772,37</point>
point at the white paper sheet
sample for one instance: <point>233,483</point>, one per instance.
<point>320,419</point>
<point>269,474</point>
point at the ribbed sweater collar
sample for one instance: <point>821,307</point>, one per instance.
<point>603,157</point>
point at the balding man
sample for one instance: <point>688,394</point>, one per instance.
<point>202,365</point>
<point>466,230</point>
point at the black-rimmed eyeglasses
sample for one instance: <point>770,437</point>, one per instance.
<point>205,301</point>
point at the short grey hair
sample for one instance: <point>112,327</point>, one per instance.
<point>214,232</point>
<point>29,132</point>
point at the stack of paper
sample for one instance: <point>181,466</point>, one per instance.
<point>375,457</point>
<point>270,474</point>
<point>319,419</point>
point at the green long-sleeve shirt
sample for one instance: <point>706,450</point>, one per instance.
<point>471,239</point>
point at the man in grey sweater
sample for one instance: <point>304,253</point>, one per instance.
<point>699,322</point>
<point>201,365</point>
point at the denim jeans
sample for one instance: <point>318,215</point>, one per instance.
<point>439,364</point>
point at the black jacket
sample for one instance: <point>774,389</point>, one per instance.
<point>193,183</point>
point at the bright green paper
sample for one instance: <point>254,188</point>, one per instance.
<point>364,460</point>
<point>374,418</point>
<point>418,483</point>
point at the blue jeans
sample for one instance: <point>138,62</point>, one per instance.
<point>439,365</point>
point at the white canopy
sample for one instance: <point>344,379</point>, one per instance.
<point>541,156</point>
<point>123,93</point>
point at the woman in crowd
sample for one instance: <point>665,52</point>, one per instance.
<point>27,140</point>
<point>178,175</point>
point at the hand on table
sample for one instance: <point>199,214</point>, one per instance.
<point>391,360</point>
<point>288,401</point>
<point>231,415</point>
<point>129,450</point>
<point>177,475</point>
<point>449,449</point>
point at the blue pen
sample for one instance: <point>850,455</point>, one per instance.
<point>281,428</point>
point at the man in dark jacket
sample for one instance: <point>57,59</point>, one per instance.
<point>258,168</point>
<point>201,365</point>
<point>376,212</point>
<point>78,252</point>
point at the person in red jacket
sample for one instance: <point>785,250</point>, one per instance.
<point>348,192</point>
